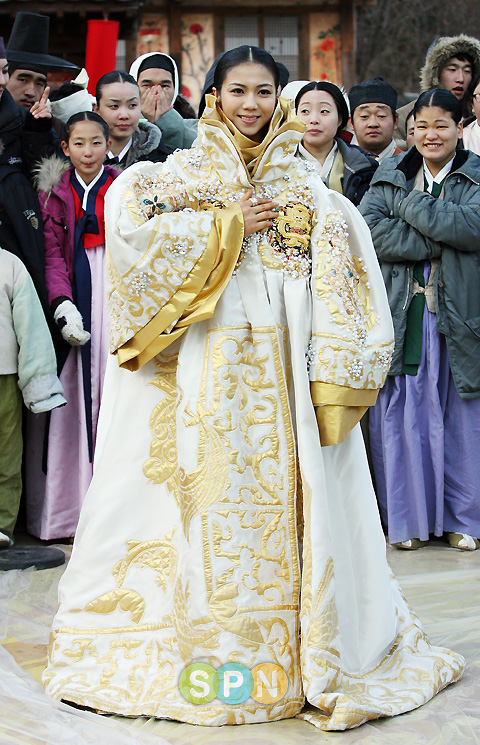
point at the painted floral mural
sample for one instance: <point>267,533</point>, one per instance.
<point>197,53</point>
<point>325,47</point>
<point>153,34</point>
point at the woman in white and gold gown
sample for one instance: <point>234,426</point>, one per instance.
<point>245,351</point>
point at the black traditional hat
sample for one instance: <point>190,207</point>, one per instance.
<point>27,47</point>
<point>373,91</point>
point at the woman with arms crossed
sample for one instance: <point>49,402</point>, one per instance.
<point>423,209</point>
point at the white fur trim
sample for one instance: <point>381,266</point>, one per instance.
<point>443,49</point>
<point>49,173</point>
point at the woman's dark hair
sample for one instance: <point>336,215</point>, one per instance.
<point>86,116</point>
<point>184,108</point>
<point>443,99</point>
<point>473,84</point>
<point>335,93</point>
<point>284,74</point>
<point>117,76</point>
<point>239,56</point>
<point>65,90</point>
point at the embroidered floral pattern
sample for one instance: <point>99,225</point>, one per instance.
<point>193,184</point>
<point>140,282</point>
<point>268,192</point>
<point>341,285</point>
<point>155,194</point>
<point>385,360</point>
<point>195,156</point>
<point>356,370</point>
<point>310,355</point>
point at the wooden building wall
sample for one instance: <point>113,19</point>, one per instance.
<point>324,37</point>
<point>321,34</point>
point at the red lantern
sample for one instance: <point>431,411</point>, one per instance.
<point>101,51</point>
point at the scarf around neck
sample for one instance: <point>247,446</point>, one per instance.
<point>251,152</point>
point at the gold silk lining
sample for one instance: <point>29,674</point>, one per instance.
<point>196,299</point>
<point>336,422</point>
<point>339,395</point>
<point>338,409</point>
<point>250,151</point>
<point>336,174</point>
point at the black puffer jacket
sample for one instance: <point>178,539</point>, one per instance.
<point>21,231</point>
<point>357,167</point>
<point>358,170</point>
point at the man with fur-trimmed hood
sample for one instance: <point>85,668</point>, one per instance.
<point>451,62</point>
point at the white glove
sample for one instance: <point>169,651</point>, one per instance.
<point>68,318</point>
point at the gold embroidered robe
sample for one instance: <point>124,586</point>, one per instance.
<point>240,368</point>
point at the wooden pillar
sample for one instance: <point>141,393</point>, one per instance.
<point>347,16</point>
<point>304,46</point>
<point>218,33</point>
<point>175,33</point>
<point>133,26</point>
<point>60,22</point>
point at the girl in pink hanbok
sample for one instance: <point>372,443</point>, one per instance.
<point>71,195</point>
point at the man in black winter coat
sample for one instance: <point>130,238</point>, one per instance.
<point>24,138</point>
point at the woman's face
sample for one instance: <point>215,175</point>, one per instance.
<point>319,112</point>
<point>120,107</point>
<point>248,98</point>
<point>476,104</point>
<point>436,136</point>
<point>410,131</point>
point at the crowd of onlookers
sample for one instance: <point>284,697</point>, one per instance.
<point>414,173</point>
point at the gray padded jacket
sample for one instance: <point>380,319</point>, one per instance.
<point>408,225</point>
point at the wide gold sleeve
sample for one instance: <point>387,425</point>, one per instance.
<point>352,331</point>
<point>338,409</point>
<point>196,298</point>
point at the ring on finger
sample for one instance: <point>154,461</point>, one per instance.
<point>254,201</point>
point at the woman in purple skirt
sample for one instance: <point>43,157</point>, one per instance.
<point>423,209</point>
